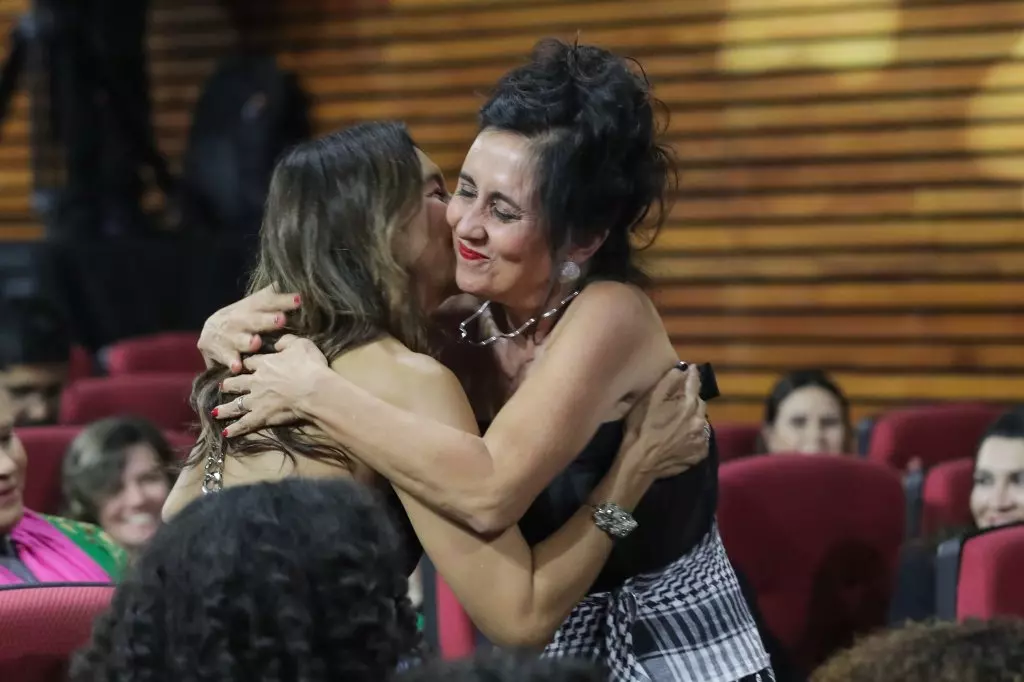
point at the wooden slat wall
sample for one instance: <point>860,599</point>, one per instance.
<point>852,182</point>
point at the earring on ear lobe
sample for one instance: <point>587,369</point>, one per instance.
<point>569,272</point>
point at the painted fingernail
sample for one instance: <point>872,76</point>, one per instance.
<point>279,320</point>
<point>224,433</point>
<point>298,300</point>
<point>214,412</point>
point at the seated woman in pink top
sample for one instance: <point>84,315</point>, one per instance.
<point>35,548</point>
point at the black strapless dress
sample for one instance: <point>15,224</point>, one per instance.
<point>667,606</point>
<point>674,515</point>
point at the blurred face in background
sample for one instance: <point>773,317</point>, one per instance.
<point>130,514</point>
<point>35,392</point>
<point>809,421</point>
<point>13,463</point>
<point>997,497</point>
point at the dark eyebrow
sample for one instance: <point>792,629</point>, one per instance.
<point>494,195</point>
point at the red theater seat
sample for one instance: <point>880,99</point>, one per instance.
<point>45,446</point>
<point>946,498</point>
<point>932,434</point>
<point>818,539</point>
<point>42,625</point>
<point>979,575</point>
<point>161,398</point>
<point>736,440</point>
<point>181,442</point>
<point>80,365</point>
<point>173,352</point>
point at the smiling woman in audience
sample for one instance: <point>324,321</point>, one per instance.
<point>565,177</point>
<point>117,474</point>
<point>806,413</point>
<point>44,549</point>
<point>997,498</point>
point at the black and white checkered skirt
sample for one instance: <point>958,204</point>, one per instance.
<point>686,623</point>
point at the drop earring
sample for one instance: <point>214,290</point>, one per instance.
<point>569,272</point>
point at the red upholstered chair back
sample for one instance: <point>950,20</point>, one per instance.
<point>946,497</point>
<point>181,442</point>
<point>933,433</point>
<point>818,539</point>
<point>736,440</point>
<point>173,352</point>
<point>42,625</point>
<point>991,578</point>
<point>80,365</point>
<point>161,398</point>
<point>45,447</point>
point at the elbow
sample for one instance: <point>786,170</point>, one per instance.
<point>491,513</point>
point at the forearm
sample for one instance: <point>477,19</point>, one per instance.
<point>539,586</point>
<point>448,470</point>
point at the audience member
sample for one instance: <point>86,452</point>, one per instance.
<point>296,580</point>
<point>35,349</point>
<point>44,549</point>
<point>502,667</point>
<point>997,498</point>
<point>991,651</point>
<point>117,474</point>
<point>806,413</point>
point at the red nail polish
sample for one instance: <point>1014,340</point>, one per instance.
<point>224,433</point>
<point>298,300</point>
<point>279,320</point>
<point>214,412</point>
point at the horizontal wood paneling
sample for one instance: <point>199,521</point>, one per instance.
<point>851,170</point>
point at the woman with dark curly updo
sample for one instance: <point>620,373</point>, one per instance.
<point>297,580</point>
<point>560,344</point>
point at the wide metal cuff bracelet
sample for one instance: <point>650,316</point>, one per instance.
<point>614,520</point>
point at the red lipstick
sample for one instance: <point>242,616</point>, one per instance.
<point>469,254</point>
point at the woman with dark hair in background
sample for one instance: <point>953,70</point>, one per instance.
<point>297,580</point>
<point>806,413</point>
<point>117,474</point>
<point>997,499</point>
<point>561,341</point>
<point>355,225</point>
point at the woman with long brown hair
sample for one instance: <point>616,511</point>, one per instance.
<point>355,227</point>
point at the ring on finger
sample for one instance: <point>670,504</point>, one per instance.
<point>240,403</point>
<point>707,431</point>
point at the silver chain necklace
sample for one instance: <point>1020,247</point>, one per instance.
<point>464,333</point>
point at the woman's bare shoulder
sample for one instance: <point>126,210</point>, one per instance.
<point>612,307</point>
<point>397,375</point>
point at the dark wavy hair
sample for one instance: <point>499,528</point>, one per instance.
<point>92,466</point>
<point>1009,424</point>
<point>504,667</point>
<point>801,378</point>
<point>295,580</point>
<point>601,167</point>
<point>337,206</point>
<point>974,651</point>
